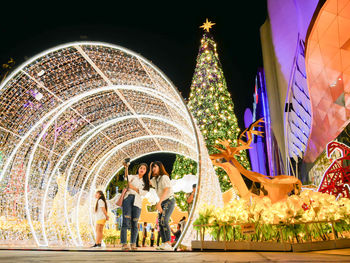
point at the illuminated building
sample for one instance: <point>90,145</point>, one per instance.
<point>306,62</point>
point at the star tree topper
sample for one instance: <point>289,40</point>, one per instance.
<point>207,25</point>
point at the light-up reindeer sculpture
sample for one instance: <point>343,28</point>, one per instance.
<point>276,188</point>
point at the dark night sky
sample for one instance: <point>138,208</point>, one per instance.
<point>166,34</point>
<point>169,36</point>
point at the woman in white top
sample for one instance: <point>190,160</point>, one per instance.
<point>138,186</point>
<point>101,216</point>
<point>160,180</point>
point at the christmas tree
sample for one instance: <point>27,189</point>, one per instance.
<point>211,105</point>
<point>181,167</point>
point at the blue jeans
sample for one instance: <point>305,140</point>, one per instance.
<point>131,216</point>
<point>168,206</point>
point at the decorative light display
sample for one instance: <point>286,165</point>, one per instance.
<point>276,222</point>
<point>211,105</point>
<point>68,119</point>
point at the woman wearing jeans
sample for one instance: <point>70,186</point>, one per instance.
<point>132,203</point>
<point>160,180</point>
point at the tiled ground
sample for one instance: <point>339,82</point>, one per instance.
<point>341,255</point>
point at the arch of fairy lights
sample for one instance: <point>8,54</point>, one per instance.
<point>69,117</point>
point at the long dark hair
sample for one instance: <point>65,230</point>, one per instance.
<point>162,170</point>
<point>102,196</point>
<point>144,177</point>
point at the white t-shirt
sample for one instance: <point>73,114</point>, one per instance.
<point>138,183</point>
<point>160,182</point>
<point>99,213</point>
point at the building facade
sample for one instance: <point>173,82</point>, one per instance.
<point>306,57</point>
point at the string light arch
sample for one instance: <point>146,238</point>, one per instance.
<point>69,117</point>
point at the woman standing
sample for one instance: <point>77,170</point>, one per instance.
<point>101,216</point>
<point>160,180</point>
<point>138,186</point>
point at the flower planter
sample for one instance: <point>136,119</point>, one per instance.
<point>310,246</point>
<point>321,245</point>
<point>241,245</point>
<point>270,246</point>
<point>342,243</point>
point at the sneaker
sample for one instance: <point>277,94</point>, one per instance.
<point>133,247</point>
<point>168,247</point>
<point>96,246</point>
<point>161,246</point>
<point>125,247</point>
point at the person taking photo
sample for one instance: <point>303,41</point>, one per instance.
<point>160,180</point>
<point>138,186</point>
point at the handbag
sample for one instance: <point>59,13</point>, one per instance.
<point>121,197</point>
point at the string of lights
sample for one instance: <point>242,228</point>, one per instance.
<point>68,118</point>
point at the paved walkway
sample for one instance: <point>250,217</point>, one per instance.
<point>340,255</point>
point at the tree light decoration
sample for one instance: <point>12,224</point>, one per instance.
<point>69,117</point>
<point>211,105</point>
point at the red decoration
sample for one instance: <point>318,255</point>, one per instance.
<point>337,176</point>
<point>305,207</point>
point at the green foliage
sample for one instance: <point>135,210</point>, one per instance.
<point>181,200</point>
<point>225,183</point>
<point>111,240</point>
<point>204,218</point>
<point>181,167</point>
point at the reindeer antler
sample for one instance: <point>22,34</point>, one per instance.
<point>224,145</point>
<point>249,132</point>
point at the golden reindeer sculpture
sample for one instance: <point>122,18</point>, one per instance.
<point>276,188</point>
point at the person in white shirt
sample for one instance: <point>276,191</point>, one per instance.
<point>138,186</point>
<point>101,216</point>
<point>160,180</point>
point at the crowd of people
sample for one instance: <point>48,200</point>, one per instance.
<point>138,186</point>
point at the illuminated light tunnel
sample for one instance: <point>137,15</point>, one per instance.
<point>69,117</point>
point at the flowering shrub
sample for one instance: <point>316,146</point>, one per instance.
<point>111,236</point>
<point>307,216</point>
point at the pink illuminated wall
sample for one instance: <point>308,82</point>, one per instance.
<point>328,74</point>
